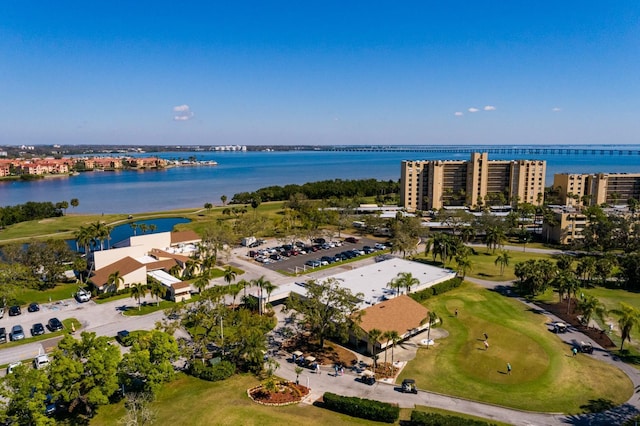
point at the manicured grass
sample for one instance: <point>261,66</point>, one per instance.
<point>189,401</point>
<point>148,308</point>
<point>545,376</point>
<point>59,292</point>
<point>47,335</point>
<point>484,267</point>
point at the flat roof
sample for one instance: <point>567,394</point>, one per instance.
<point>164,278</point>
<point>372,280</point>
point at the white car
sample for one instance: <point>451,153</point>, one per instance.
<point>12,367</point>
<point>83,295</point>
<point>41,361</point>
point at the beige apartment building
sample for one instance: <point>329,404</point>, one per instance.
<point>595,189</point>
<point>433,184</point>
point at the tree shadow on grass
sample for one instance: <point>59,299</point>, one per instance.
<point>614,416</point>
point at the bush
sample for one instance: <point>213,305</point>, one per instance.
<point>363,408</point>
<point>443,287</point>
<point>420,418</point>
<point>222,370</point>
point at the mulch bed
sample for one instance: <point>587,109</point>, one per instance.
<point>288,393</point>
<point>560,310</point>
<point>330,354</point>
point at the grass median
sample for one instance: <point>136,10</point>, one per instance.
<point>545,376</point>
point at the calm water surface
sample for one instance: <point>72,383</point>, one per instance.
<point>180,187</point>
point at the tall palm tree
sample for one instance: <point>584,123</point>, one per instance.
<point>158,290</point>
<point>234,290</point>
<point>374,334</point>
<point>628,318</point>
<point>114,280</point>
<point>395,284</point>
<point>464,264</point>
<point>229,275</point>
<point>269,288</point>
<point>134,227</point>
<point>244,284</point>
<point>394,337</point>
<point>386,336</point>
<point>502,260</point>
<point>201,282</point>
<point>138,291</point>
<point>433,319</point>
<point>263,284</point>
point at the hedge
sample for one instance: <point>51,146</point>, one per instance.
<point>220,371</point>
<point>363,408</point>
<point>420,418</point>
<point>440,288</point>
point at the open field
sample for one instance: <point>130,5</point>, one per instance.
<point>542,364</point>
<point>189,401</point>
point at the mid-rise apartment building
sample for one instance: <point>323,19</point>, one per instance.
<point>595,189</point>
<point>433,184</point>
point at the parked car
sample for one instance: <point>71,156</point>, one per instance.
<point>319,241</point>
<point>586,348</point>
<point>379,246</point>
<point>41,361</point>
<point>368,249</point>
<point>328,259</point>
<point>33,307</point>
<point>14,311</point>
<point>123,338</point>
<point>17,333</point>
<point>83,295</point>
<point>54,324</point>
<point>37,329</point>
<point>312,263</point>
<point>12,367</point>
<point>3,335</point>
<point>368,377</point>
<point>351,240</point>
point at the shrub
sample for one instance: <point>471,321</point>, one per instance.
<point>220,371</point>
<point>363,408</point>
<point>420,418</point>
<point>440,288</point>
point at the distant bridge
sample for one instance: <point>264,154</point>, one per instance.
<point>490,150</point>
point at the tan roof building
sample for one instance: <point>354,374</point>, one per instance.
<point>129,269</point>
<point>185,237</point>
<point>402,314</point>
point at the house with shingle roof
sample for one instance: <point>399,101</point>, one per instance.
<point>402,314</point>
<point>130,270</point>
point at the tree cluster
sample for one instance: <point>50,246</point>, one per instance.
<point>320,190</point>
<point>31,210</point>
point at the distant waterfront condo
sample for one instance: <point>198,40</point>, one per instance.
<point>595,189</point>
<point>433,184</point>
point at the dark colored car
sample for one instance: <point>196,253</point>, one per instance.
<point>14,310</point>
<point>123,338</point>
<point>3,335</point>
<point>351,240</point>
<point>33,307</point>
<point>328,259</point>
<point>17,333</point>
<point>54,324</point>
<point>37,329</point>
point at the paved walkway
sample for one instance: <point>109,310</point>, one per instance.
<point>349,385</point>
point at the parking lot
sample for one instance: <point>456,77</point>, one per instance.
<point>293,258</point>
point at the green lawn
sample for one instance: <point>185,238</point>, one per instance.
<point>545,376</point>
<point>484,267</point>
<point>189,401</point>
<point>25,296</point>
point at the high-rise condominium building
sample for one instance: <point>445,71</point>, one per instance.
<point>433,184</point>
<point>595,189</point>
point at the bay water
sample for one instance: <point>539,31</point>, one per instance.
<point>192,186</point>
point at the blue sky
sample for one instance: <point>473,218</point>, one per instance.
<point>285,72</point>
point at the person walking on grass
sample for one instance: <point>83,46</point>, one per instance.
<point>486,345</point>
<point>509,369</point>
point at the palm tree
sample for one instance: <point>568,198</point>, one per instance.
<point>229,275</point>
<point>201,282</point>
<point>244,284</point>
<point>269,288</point>
<point>464,264</point>
<point>157,290</point>
<point>114,280</point>
<point>134,227</point>
<point>628,318</point>
<point>387,336</point>
<point>395,284</point>
<point>262,283</point>
<point>407,280</point>
<point>234,290</point>
<point>494,237</point>
<point>433,319</point>
<point>590,305</point>
<point>138,291</point>
<point>394,337</point>
<point>374,334</point>
<point>502,260</point>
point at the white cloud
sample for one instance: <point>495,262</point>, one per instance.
<point>489,108</point>
<point>458,114</point>
<point>182,113</point>
<point>472,109</point>
<point>556,109</point>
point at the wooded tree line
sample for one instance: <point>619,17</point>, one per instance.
<point>321,190</point>
<point>31,210</point>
